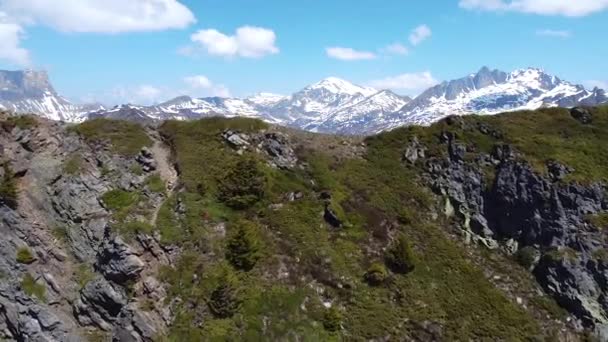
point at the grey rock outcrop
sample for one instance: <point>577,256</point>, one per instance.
<point>520,207</point>
<point>118,262</point>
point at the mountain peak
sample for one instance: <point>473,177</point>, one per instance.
<point>339,86</point>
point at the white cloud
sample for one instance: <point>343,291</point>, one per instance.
<point>348,54</point>
<point>149,94</point>
<point>198,81</point>
<point>420,34</point>
<point>201,86</point>
<point>596,83</point>
<point>11,35</point>
<point>412,82</point>
<point>248,41</point>
<point>569,8</point>
<point>100,16</point>
<point>554,33</point>
<point>396,49</point>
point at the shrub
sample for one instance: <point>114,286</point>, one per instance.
<point>155,184</point>
<point>8,188</point>
<point>83,275</point>
<point>527,256</point>
<point>332,320</point>
<point>130,229</point>
<point>21,121</point>
<point>243,247</point>
<point>61,233</point>
<point>119,199</point>
<point>400,256</point>
<point>243,185</point>
<point>25,256</point>
<point>73,165</point>
<point>32,288</point>
<point>376,274</point>
<point>224,301</point>
<point>599,221</point>
<point>136,169</point>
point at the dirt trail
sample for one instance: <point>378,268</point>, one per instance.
<point>165,168</point>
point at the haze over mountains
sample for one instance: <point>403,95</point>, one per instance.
<point>332,105</point>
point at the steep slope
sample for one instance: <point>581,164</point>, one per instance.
<point>492,92</point>
<point>31,92</point>
<point>270,233</point>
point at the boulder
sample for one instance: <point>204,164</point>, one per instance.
<point>100,303</point>
<point>414,151</point>
<point>582,115</point>
<point>118,262</point>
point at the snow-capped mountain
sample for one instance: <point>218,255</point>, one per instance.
<point>332,105</point>
<point>31,92</point>
<point>492,92</point>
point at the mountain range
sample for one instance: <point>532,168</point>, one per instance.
<point>332,105</point>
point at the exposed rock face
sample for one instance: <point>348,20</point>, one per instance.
<point>118,262</point>
<point>61,220</point>
<point>275,145</point>
<point>521,207</point>
<point>414,151</point>
<point>100,303</point>
<point>582,115</point>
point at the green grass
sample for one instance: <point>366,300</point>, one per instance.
<point>599,221</point>
<point>542,135</point>
<point>378,196</point>
<point>61,233</point>
<point>8,187</point>
<point>25,256</point>
<point>132,228</point>
<point>32,288</point>
<point>74,164</point>
<point>125,137</point>
<point>156,184</point>
<point>119,199</point>
<point>20,121</point>
<point>83,274</point>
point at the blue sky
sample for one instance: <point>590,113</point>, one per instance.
<point>151,50</point>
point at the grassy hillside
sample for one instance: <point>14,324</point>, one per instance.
<point>308,279</point>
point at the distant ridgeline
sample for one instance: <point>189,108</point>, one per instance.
<point>330,106</point>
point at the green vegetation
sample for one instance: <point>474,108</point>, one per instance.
<point>119,199</point>
<point>8,187</point>
<point>224,299</point>
<point>136,169</point>
<point>400,256</point>
<point>132,228</point>
<point>19,121</point>
<point>599,221</point>
<point>74,164</point>
<point>243,249</point>
<point>155,184</point>
<point>83,274</point>
<point>25,256</point>
<point>243,185</point>
<point>526,256</point>
<point>61,233</point>
<point>376,274</point>
<point>32,288</point>
<point>540,136</point>
<point>125,137</point>
<point>384,204</point>
<point>332,320</point>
